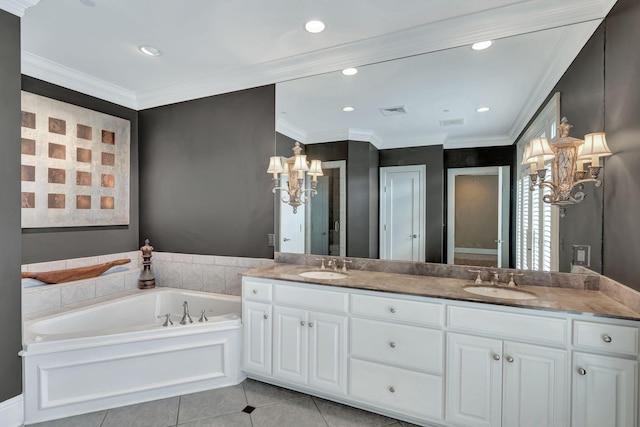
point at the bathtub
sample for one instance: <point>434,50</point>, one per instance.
<point>118,352</point>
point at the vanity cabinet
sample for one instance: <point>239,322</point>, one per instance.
<point>493,382</point>
<point>256,319</point>
<point>442,362</point>
<point>605,375</point>
<point>397,355</point>
<point>310,348</point>
<point>310,345</point>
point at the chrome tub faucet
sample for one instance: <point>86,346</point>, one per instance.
<point>186,318</point>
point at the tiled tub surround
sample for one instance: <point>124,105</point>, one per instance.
<point>603,293</point>
<point>208,273</point>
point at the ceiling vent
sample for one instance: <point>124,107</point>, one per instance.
<point>452,122</point>
<point>394,111</point>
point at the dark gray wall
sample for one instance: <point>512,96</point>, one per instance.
<point>10,315</point>
<point>46,244</point>
<point>362,191</point>
<point>203,182</point>
<point>621,252</point>
<point>433,157</point>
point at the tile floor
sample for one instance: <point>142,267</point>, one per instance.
<point>274,407</point>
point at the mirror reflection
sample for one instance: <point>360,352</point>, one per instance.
<point>448,109</point>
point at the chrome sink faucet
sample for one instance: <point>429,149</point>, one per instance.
<point>333,263</point>
<point>186,318</point>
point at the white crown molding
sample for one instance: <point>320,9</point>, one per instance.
<point>516,19</point>
<point>17,7</point>
<point>365,135</point>
<point>472,142</point>
<point>563,55</point>
<point>12,412</point>
<point>292,131</point>
<point>52,72</point>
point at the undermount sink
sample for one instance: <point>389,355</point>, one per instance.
<point>324,275</point>
<point>499,292</point>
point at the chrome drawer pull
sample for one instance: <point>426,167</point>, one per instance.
<point>311,324</point>
<point>255,291</point>
<point>606,338</point>
<point>393,310</point>
<point>266,316</point>
<point>302,323</point>
<point>496,357</point>
<point>392,389</point>
<point>582,371</point>
<point>509,359</point>
<point>392,344</point>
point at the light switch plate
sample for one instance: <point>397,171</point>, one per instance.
<point>581,255</point>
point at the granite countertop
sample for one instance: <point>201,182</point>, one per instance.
<point>547,298</point>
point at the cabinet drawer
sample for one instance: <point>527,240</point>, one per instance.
<point>601,336</point>
<point>311,298</point>
<point>256,291</point>
<point>397,309</point>
<point>397,389</point>
<point>508,325</point>
<point>408,346</point>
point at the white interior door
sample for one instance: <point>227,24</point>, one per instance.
<point>402,213</point>
<point>501,238</point>
<point>291,225</point>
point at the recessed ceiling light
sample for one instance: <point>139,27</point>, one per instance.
<point>150,50</point>
<point>314,26</point>
<point>350,71</point>
<point>89,3</point>
<point>481,45</point>
<point>483,109</point>
<point>348,109</point>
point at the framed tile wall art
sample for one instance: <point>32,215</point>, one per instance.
<point>75,165</point>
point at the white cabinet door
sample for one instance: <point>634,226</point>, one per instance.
<point>474,381</point>
<point>257,337</point>
<point>535,388</point>
<point>290,344</point>
<point>328,351</point>
<point>604,391</point>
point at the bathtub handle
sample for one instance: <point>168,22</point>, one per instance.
<point>167,320</point>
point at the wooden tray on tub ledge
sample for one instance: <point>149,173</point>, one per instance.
<point>71,274</point>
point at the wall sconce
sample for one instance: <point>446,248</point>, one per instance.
<point>567,155</point>
<point>295,168</point>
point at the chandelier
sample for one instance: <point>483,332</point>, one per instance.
<point>568,156</point>
<point>295,168</point>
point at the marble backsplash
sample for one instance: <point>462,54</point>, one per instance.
<point>580,278</point>
<point>208,273</point>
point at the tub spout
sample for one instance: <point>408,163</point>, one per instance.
<point>186,318</point>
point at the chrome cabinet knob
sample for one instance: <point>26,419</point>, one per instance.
<point>582,371</point>
<point>255,291</point>
<point>496,357</point>
<point>393,310</point>
<point>509,359</point>
<point>392,344</point>
<point>311,324</point>
<point>606,338</point>
<point>266,316</point>
<point>392,389</point>
<point>302,323</point>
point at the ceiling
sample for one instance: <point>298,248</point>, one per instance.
<point>211,47</point>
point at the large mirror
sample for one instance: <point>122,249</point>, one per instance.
<point>420,110</point>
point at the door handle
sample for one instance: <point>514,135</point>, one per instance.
<point>286,239</point>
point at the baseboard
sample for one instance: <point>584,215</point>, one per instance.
<point>12,412</point>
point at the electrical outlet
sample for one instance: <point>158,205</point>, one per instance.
<point>581,255</point>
